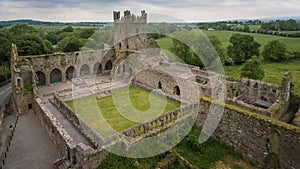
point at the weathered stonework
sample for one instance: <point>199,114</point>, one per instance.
<point>249,123</point>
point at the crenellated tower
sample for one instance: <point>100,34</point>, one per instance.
<point>130,30</point>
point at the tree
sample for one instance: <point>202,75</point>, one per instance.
<point>69,44</point>
<point>27,40</point>
<point>68,29</point>
<point>48,46</point>
<point>246,28</point>
<point>242,48</point>
<point>275,51</point>
<point>219,48</point>
<point>252,69</point>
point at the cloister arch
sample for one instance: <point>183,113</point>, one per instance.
<point>55,76</point>
<point>70,73</point>
<point>41,78</point>
<point>84,70</point>
<point>108,65</point>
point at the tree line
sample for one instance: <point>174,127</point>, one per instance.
<point>277,28</point>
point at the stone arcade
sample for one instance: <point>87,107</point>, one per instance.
<point>253,109</point>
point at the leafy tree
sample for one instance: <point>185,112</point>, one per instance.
<point>219,48</point>
<point>5,47</point>
<point>84,33</point>
<point>28,40</point>
<point>22,29</point>
<point>194,48</point>
<point>48,47</point>
<point>242,48</point>
<point>68,29</point>
<point>246,28</point>
<point>52,37</point>
<point>69,44</point>
<point>252,69</point>
<point>275,51</point>
<point>182,43</point>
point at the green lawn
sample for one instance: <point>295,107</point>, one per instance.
<point>103,116</point>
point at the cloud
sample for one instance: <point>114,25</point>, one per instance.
<point>188,10</point>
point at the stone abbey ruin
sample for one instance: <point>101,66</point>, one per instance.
<point>253,115</point>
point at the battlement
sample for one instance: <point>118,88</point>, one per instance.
<point>128,17</point>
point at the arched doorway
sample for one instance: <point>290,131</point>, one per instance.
<point>84,70</point>
<point>97,68</point>
<point>159,85</point>
<point>55,76</point>
<point>70,73</point>
<point>41,81</point>
<point>177,90</point>
<point>108,65</point>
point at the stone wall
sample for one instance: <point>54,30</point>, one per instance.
<point>256,136</point>
<point>62,140</point>
<point>71,115</point>
<point>75,64</point>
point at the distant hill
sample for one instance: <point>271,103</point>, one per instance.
<point>297,18</point>
<point>34,22</point>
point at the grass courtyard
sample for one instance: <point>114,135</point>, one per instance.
<point>103,115</point>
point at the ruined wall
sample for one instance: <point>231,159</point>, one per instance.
<point>21,75</point>
<point>78,64</point>
<point>158,79</point>
<point>255,135</point>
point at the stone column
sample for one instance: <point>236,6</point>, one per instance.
<point>48,79</point>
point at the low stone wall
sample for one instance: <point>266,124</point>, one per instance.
<point>70,114</point>
<point>63,141</point>
<point>257,136</point>
<point>248,107</point>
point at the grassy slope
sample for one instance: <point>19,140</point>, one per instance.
<point>101,114</point>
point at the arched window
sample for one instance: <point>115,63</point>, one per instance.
<point>97,68</point>
<point>177,90</point>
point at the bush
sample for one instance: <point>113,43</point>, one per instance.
<point>252,69</point>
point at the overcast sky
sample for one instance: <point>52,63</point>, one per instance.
<point>158,10</point>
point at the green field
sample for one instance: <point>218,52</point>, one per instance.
<point>103,116</point>
<point>49,28</point>
<point>292,44</point>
